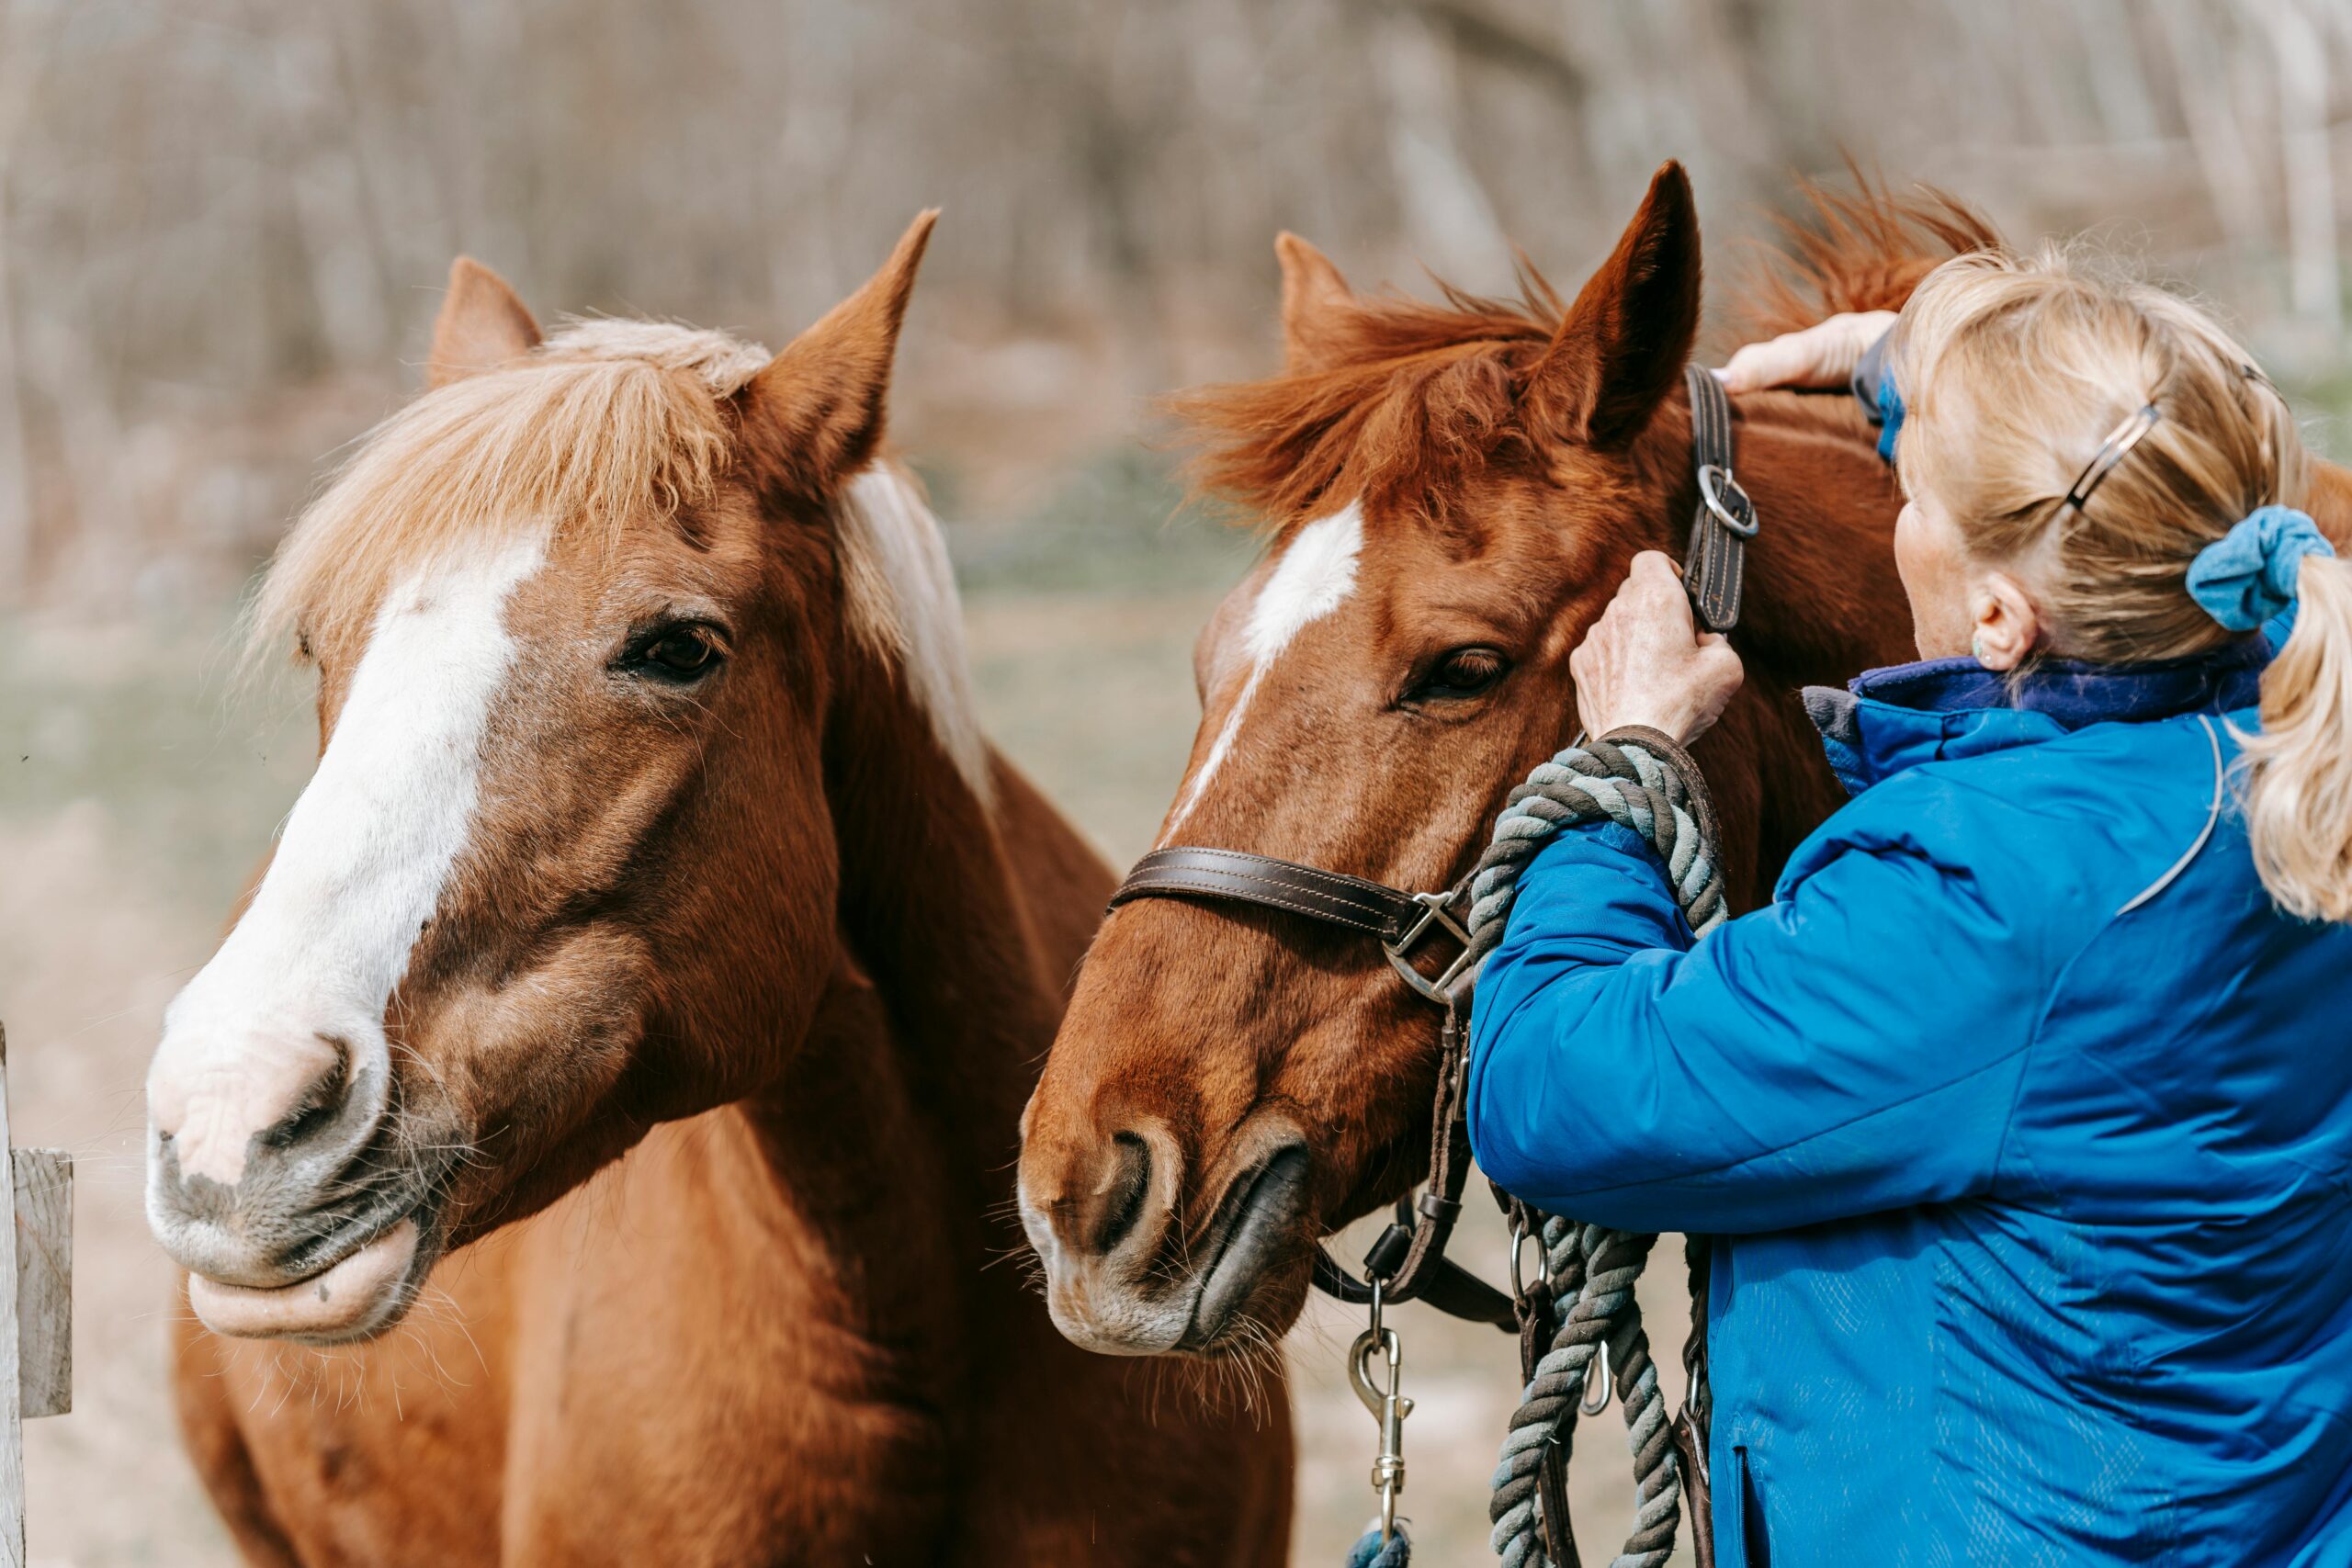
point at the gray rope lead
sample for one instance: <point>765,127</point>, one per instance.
<point>1590,1269</point>
<point>1626,784</point>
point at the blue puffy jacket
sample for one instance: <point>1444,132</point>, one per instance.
<point>2024,1119</point>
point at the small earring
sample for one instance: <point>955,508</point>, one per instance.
<point>1977,649</point>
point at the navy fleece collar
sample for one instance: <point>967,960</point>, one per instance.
<point>1887,720</point>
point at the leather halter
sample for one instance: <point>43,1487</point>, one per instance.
<point>1400,919</point>
<point>1409,1259</point>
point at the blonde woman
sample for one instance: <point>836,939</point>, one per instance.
<point>2024,1112</point>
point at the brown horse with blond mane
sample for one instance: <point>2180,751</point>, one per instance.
<point>1455,491</point>
<point>587,1143</point>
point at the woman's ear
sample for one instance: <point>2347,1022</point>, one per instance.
<point>2007,623</point>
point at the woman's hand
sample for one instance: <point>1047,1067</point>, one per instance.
<point>1822,355</point>
<point>1646,662</point>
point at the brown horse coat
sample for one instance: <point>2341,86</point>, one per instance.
<point>643,1213</point>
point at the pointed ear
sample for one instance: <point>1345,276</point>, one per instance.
<point>1625,340</point>
<point>815,413</point>
<point>1314,298</point>
<point>482,324</point>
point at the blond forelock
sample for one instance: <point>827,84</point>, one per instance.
<point>607,423</point>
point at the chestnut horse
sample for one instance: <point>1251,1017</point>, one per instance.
<point>1456,492</point>
<point>610,1085</point>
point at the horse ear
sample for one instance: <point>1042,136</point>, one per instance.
<point>484,323</point>
<point>814,415</point>
<point>1625,340</point>
<point>1314,298</point>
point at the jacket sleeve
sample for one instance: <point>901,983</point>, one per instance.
<point>1873,387</point>
<point>1854,1047</point>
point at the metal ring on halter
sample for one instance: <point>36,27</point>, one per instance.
<point>1520,1237</point>
<point>1436,912</point>
<point>1714,474</point>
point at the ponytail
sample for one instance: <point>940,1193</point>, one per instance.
<point>2298,789</point>
<point>2298,784</point>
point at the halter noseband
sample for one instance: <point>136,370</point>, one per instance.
<point>1400,919</point>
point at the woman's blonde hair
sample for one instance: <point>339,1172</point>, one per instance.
<point>2016,371</point>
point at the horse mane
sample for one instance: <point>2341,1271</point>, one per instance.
<point>1863,249</point>
<point>1410,396</point>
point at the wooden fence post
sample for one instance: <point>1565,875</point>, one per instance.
<point>35,1308</point>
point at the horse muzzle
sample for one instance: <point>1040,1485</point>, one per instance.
<point>279,1176</point>
<point>1124,1276</point>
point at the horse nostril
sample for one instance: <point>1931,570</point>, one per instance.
<point>1122,1201</point>
<point>319,1105</point>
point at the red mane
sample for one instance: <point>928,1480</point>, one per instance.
<point>1864,249</point>
<point>1415,397</point>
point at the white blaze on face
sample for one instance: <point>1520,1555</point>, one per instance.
<point>357,873</point>
<point>1314,578</point>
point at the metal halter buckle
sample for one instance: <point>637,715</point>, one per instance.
<point>1436,911</point>
<point>1711,476</point>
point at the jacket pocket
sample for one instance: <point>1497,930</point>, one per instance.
<point>1750,1542</point>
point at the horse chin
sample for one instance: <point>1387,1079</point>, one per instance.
<point>360,1296</point>
<point>1271,1305</point>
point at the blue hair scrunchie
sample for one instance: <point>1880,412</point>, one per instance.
<point>2248,576</point>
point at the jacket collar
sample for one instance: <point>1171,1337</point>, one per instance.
<point>1887,720</point>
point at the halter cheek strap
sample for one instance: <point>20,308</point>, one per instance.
<point>1716,562</point>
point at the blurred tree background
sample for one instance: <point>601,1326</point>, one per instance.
<point>223,222</point>
<point>224,226</point>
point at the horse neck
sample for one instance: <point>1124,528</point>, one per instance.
<point>2330,502</point>
<point>833,1173</point>
<point>1821,602</point>
<point>933,914</point>
<point>873,1159</point>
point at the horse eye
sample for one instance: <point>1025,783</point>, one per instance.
<point>677,653</point>
<point>1463,672</point>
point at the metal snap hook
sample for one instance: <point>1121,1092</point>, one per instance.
<point>1388,1407</point>
<point>1594,1404</point>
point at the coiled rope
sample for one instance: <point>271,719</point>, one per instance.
<point>1590,1270</point>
